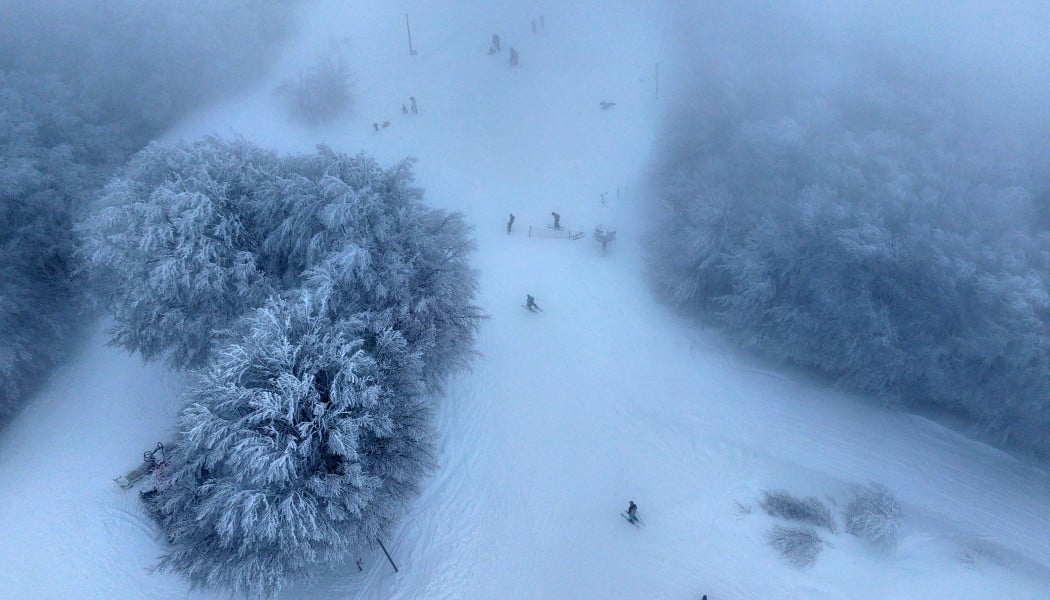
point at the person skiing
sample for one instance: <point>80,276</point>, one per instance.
<point>510,223</point>
<point>557,220</point>
<point>632,511</point>
<point>415,109</point>
<point>530,303</point>
<point>494,48</point>
<point>513,57</point>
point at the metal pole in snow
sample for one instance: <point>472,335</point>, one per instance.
<point>387,554</point>
<point>408,28</point>
<point>657,81</point>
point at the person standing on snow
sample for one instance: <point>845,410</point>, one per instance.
<point>632,511</point>
<point>530,303</point>
<point>510,223</point>
<point>557,220</point>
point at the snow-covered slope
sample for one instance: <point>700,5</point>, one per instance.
<point>569,413</point>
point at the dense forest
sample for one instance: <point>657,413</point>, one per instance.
<point>82,86</point>
<point>878,218</point>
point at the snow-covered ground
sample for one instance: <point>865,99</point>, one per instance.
<point>568,414</point>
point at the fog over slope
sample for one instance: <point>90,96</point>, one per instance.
<point>864,192</point>
<point>82,85</point>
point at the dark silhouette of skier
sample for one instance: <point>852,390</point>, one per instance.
<point>412,101</point>
<point>632,511</point>
<point>513,57</point>
<point>510,223</point>
<point>494,47</point>
<point>530,303</point>
<point>557,220</point>
<point>375,126</point>
<point>404,109</point>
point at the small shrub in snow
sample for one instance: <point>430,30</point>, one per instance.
<point>874,514</point>
<point>798,545</point>
<point>977,552</point>
<point>779,503</point>
<point>321,93</point>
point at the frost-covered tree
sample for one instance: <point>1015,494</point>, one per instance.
<point>174,249</point>
<point>324,303</point>
<point>50,155</point>
<point>301,442</point>
<point>881,228</point>
<point>83,84</point>
<point>190,236</point>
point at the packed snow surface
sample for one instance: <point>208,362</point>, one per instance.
<point>602,398</point>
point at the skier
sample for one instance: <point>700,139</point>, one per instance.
<point>375,126</point>
<point>510,223</point>
<point>404,109</point>
<point>557,220</point>
<point>603,237</point>
<point>632,511</point>
<point>494,48</point>
<point>530,303</point>
<point>513,57</point>
<point>412,100</point>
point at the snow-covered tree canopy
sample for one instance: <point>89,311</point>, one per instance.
<point>887,229</point>
<point>302,440</point>
<point>191,236</point>
<point>320,302</point>
<point>83,84</point>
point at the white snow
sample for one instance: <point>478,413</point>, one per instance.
<point>604,397</point>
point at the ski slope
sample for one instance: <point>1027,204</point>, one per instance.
<point>602,398</point>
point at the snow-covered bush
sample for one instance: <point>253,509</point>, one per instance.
<point>321,93</point>
<point>874,514</point>
<point>798,545</point>
<point>886,229</point>
<point>780,503</point>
